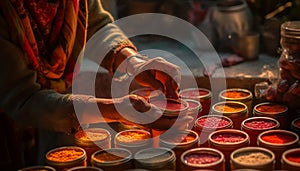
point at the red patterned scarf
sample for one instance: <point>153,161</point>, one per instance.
<point>46,31</point>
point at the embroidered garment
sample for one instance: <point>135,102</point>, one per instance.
<point>46,31</point>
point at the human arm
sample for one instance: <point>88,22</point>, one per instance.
<point>160,74</point>
<point>24,100</point>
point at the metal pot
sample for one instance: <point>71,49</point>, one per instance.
<point>231,16</point>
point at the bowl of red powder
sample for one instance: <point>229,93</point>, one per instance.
<point>296,122</point>
<point>213,122</point>
<point>278,137</point>
<point>202,158</point>
<point>201,95</point>
<point>260,123</point>
<point>195,93</point>
<point>296,125</point>
<point>291,159</point>
<point>270,108</point>
<point>170,107</point>
<point>194,107</point>
<point>228,137</point>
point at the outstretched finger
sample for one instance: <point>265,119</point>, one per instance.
<point>172,89</point>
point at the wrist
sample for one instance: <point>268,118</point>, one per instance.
<point>121,56</point>
<point>129,59</point>
<point>133,62</point>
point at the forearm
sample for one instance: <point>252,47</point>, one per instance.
<point>46,109</point>
<point>106,47</point>
<point>105,39</point>
<point>50,110</point>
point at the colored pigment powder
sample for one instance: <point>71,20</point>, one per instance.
<point>179,138</point>
<point>255,158</point>
<point>133,136</point>
<point>153,156</point>
<point>213,122</point>
<point>294,156</point>
<point>192,104</point>
<point>229,108</point>
<point>260,124</point>
<point>110,156</point>
<point>228,138</point>
<point>278,138</point>
<point>235,94</point>
<point>193,93</point>
<point>297,123</point>
<point>91,135</point>
<point>168,105</point>
<point>271,108</point>
<point>65,155</point>
<point>201,158</point>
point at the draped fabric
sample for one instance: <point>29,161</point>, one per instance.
<point>46,31</point>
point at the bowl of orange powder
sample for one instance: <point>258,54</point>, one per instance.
<point>66,157</point>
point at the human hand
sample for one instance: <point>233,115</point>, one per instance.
<point>165,123</point>
<point>156,73</point>
<point>147,114</point>
<point>135,109</point>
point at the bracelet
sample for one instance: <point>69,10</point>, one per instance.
<point>139,56</point>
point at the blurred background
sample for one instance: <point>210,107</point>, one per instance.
<point>266,15</point>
